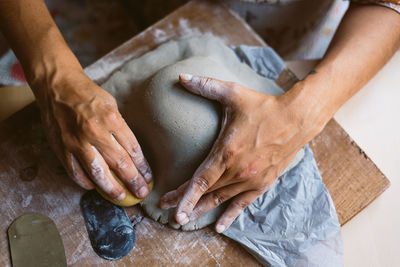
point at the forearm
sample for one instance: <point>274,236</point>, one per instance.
<point>366,39</point>
<point>37,42</point>
<point>80,119</point>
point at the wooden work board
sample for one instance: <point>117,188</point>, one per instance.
<point>33,180</point>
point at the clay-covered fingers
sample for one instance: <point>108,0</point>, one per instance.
<point>122,164</point>
<point>221,91</point>
<point>238,204</point>
<point>209,172</point>
<point>236,180</point>
<point>76,172</point>
<point>204,177</point>
<point>128,141</point>
<point>215,198</point>
<point>171,199</point>
<point>229,177</point>
<point>96,167</point>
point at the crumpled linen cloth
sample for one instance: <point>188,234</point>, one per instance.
<point>295,222</point>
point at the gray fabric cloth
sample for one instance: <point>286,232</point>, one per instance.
<point>263,60</point>
<point>294,223</point>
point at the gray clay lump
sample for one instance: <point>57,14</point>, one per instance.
<point>175,128</point>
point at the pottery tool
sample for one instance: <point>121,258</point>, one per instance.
<point>110,230</point>
<point>35,241</point>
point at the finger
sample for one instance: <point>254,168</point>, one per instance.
<point>228,178</point>
<point>228,152</point>
<point>120,161</point>
<point>170,199</point>
<point>99,172</point>
<point>221,91</point>
<point>209,172</point>
<point>129,142</point>
<point>76,172</point>
<point>204,177</point>
<point>212,200</point>
<point>237,205</point>
<point>247,171</point>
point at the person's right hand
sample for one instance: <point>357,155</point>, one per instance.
<point>85,129</point>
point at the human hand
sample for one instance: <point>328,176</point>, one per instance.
<point>260,134</point>
<point>85,129</point>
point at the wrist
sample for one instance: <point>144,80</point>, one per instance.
<point>50,61</point>
<point>59,83</point>
<point>311,108</point>
<point>52,73</point>
<point>46,73</point>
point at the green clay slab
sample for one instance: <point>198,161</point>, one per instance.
<point>35,241</point>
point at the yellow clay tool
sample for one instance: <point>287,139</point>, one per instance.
<point>129,199</point>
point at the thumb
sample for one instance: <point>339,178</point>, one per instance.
<point>221,91</point>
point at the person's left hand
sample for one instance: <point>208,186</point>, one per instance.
<point>260,134</point>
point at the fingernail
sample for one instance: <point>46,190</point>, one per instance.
<point>182,218</point>
<point>164,205</point>
<point>220,228</point>
<point>143,191</point>
<point>120,197</point>
<point>186,77</point>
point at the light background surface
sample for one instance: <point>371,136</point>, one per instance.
<point>371,118</point>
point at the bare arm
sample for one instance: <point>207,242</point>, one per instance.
<point>36,40</point>
<point>81,120</point>
<point>367,38</point>
<point>261,133</point>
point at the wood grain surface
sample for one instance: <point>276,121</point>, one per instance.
<point>32,179</point>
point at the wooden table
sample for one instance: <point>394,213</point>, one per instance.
<point>32,179</point>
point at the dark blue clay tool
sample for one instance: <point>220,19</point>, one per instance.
<point>110,231</point>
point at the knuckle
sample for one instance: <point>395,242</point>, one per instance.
<point>108,101</point>
<point>123,162</point>
<point>250,170</point>
<point>242,176</point>
<point>218,198</point>
<point>110,115</point>
<point>243,172</point>
<point>190,202</point>
<point>97,172</point>
<point>202,183</point>
<point>89,125</point>
<point>135,148</point>
<point>140,162</point>
<point>240,204</point>
<point>246,173</point>
<point>116,192</point>
<point>112,102</point>
<point>229,153</point>
<point>205,82</point>
<point>134,183</point>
